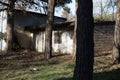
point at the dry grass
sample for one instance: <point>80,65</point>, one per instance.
<point>31,66</point>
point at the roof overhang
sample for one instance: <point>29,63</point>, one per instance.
<point>64,26</point>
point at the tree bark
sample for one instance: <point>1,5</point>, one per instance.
<point>113,14</point>
<point>101,6</point>
<point>74,37</point>
<point>10,25</point>
<point>48,31</point>
<point>85,44</point>
<point>116,46</point>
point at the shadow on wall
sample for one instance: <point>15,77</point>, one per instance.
<point>64,44</point>
<point>24,39</point>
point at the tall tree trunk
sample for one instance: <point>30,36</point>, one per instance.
<point>113,14</point>
<point>10,25</point>
<point>85,44</point>
<point>116,46</point>
<point>48,31</point>
<point>101,6</point>
<point>74,38</point>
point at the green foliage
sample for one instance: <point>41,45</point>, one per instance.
<point>66,12</point>
<point>60,2</point>
<point>67,9</point>
<point>2,35</point>
<point>63,2</point>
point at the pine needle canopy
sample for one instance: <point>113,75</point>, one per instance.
<point>59,2</point>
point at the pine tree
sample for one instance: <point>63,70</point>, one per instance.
<point>85,44</point>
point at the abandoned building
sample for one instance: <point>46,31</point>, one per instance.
<point>30,33</point>
<point>26,19</point>
<point>62,39</point>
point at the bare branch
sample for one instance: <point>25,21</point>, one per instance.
<point>5,4</point>
<point>3,9</point>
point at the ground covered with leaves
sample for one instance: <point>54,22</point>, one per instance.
<point>27,65</point>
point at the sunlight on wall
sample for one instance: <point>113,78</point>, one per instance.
<point>2,45</point>
<point>64,47</point>
<point>3,21</point>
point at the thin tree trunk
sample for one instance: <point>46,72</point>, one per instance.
<point>101,6</point>
<point>116,46</point>
<point>85,44</point>
<point>2,13</point>
<point>10,25</point>
<point>113,17</point>
<point>48,31</point>
<point>74,38</point>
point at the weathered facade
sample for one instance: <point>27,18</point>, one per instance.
<point>103,37</point>
<point>26,19</point>
<point>62,39</point>
<point>30,27</point>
